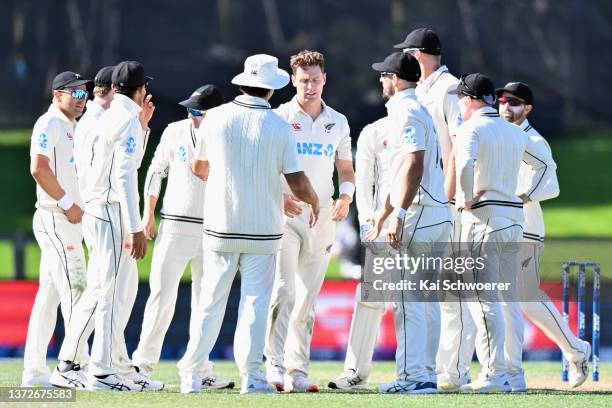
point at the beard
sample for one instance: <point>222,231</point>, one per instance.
<point>513,114</point>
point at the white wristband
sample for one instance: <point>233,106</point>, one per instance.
<point>347,188</point>
<point>399,212</point>
<point>65,202</point>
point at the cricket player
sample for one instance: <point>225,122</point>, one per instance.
<point>323,140</point>
<point>515,104</point>
<point>113,227</point>
<point>247,148</point>
<point>371,167</point>
<point>180,232</point>
<point>433,92</point>
<point>57,222</point>
<point>488,155</point>
<point>416,207</point>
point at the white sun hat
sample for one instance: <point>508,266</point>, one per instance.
<point>262,71</point>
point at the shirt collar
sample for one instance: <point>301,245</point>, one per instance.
<point>487,111</point>
<point>524,124</point>
<point>433,77</point>
<point>54,110</point>
<point>399,97</point>
<point>93,106</point>
<point>251,102</point>
<point>127,103</point>
<point>295,108</point>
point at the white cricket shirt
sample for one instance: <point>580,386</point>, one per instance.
<point>183,205</point>
<point>84,134</point>
<point>319,143</point>
<point>118,148</point>
<point>411,129</point>
<point>53,137</point>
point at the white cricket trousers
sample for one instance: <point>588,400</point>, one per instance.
<point>302,263</point>
<point>256,280</point>
<point>499,238</point>
<point>539,309</point>
<point>171,255</point>
<point>61,283</point>
<point>425,231</point>
<point>110,298</point>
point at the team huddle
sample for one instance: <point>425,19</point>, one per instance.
<point>249,188</point>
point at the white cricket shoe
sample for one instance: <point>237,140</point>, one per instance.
<point>579,370</point>
<point>141,379</point>
<point>408,387</point>
<point>252,384</point>
<point>517,382</point>
<point>29,380</point>
<point>490,385</point>
<point>212,382</point>
<point>298,381</point>
<point>348,381</point>
<point>191,383</point>
<point>112,382</point>
<point>74,378</point>
<point>275,375</point>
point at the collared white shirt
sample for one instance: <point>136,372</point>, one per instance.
<point>319,143</point>
<point>372,162</point>
<point>443,107</point>
<point>411,129</point>
<point>83,140</point>
<point>183,205</point>
<point>539,186</point>
<point>118,147</point>
<point>53,137</point>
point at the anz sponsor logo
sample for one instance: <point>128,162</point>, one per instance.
<point>130,146</point>
<point>315,149</point>
<point>182,154</point>
<point>43,140</point>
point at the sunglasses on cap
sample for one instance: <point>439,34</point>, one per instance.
<point>78,94</point>
<point>195,113</point>
<point>409,50</point>
<point>386,74</point>
<point>510,101</point>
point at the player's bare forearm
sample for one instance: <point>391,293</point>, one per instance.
<point>150,204</point>
<point>346,174</point>
<point>410,178</point>
<point>44,177</point>
<point>302,188</point>
<point>200,168</point>
<point>450,177</point>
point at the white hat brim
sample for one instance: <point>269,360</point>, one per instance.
<point>276,82</point>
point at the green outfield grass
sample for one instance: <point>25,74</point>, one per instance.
<point>546,390</point>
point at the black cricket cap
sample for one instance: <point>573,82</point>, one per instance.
<point>104,77</point>
<point>402,64</point>
<point>425,39</point>
<point>204,98</point>
<point>476,85</point>
<point>518,89</point>
<point>129,74</point>
<point>68,79</point>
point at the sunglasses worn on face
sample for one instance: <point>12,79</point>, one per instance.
<point>386,74</point>
<point>79,94</point>
<point>510,101</point>
<point>194,112</point>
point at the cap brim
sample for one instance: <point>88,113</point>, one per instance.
<point>190,103</point>
<point>401,45</point>
<point>380,67</point>
<point>500,91</point>
<point>78,82</point>
<point>276,82</point>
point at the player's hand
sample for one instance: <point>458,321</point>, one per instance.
<point>147,111</point>
<point>148,225</point>
<point>314,215</point>
<point>341,208</point>
<point>396,225</point>
<point>474,200</point>
<point>138,245</point>
<point>525,198</point>
<point>74,214</point>
<point>292,209</point>
<point>373,233</point>
<point>364,228</point>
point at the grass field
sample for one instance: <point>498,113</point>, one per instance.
<point>543,379</point>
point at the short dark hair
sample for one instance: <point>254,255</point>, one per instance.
<point>127,91</point>
<point>254,91</point>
